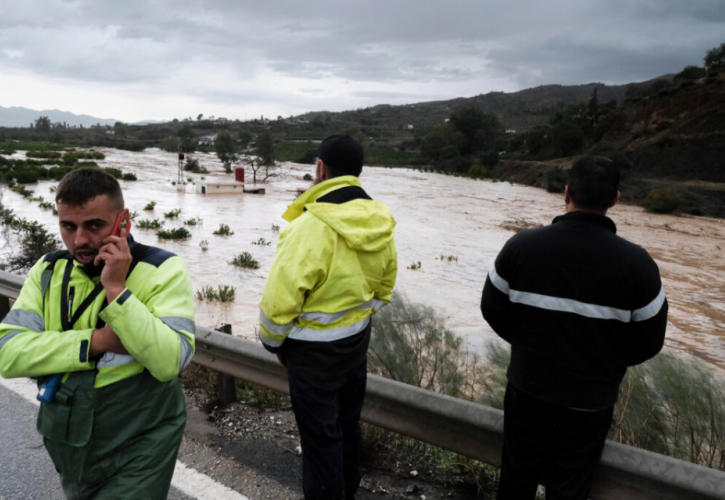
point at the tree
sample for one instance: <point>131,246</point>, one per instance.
<point>244,137</point>
<point>593,107</point>
<point>198,118</point>
<point>226,150</point>
<point>715,58</point>
<point>265,148</point>
<point>186,134</point>
<point>43,124</point>
<point>35,241</point>
<point>480,129</point>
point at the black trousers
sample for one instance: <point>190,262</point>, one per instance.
<point>328,418</point>
<point>557,447</point>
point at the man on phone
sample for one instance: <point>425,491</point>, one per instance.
<point>112,321</point>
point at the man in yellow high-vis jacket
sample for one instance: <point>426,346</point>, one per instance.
<point>336,264</point>
<point>114,320</point>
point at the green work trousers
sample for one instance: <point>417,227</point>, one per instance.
<point>119,441</point>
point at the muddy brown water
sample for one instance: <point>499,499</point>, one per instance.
<point>437,216</point>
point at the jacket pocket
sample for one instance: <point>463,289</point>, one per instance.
<point>70,424</point>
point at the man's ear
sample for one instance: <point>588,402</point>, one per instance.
<point>567,195</point>
<point>616,199</point>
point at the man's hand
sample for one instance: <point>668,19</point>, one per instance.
<point>105,340</point>
<point>117,258</point>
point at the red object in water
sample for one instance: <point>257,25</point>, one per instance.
<point>239,174</point>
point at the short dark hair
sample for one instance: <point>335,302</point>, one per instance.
<point>82,185</point>
<point>593,183</point>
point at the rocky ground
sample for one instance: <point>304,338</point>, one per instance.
<point>256,450</point>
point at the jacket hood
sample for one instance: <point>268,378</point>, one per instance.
<point>366,225</point>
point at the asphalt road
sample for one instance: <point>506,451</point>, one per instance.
<point>26,472</point>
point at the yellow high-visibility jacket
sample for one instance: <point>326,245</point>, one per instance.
<point>336,264</point>
<point>153,317</point>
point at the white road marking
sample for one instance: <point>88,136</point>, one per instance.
<point>186,479</point>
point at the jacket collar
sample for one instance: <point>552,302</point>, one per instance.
<point>588,217</point>
<point>297,207</point>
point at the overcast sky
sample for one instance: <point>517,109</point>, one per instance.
<point>156,59</point>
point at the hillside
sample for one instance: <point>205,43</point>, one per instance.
<point>516,110</point>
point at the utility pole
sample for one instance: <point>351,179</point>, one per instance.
<point>180,177</point>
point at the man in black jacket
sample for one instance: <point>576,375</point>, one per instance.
<point>578,304</point>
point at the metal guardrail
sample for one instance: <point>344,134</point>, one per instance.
<point>473,430</point>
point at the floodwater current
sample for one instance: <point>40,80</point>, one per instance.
<point>437,216</point>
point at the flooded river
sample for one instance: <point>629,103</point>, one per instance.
<point>437,215</point>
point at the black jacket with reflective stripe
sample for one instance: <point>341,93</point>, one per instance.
<point>578,304</point>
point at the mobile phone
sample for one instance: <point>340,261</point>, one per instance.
<point>123,216</point>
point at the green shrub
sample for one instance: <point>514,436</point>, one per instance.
<point>179,233</point>
<point>22,191</point>
<point>224,231</point>
<point>48,155</point>
<point>46,205</point>
<point>150,224</point>
<point>262,242</point>
<point>204,244</point>
<point>69,158</point>
<point>307,177</point>
<point>662,201</point>
<point>479,172</point>
<point>223,293</point>
<point>150,205</point>
<point>415,266</point>
<point>691,73</point>
<point>114,172</point>
<point>275,228</point>
<point>173,214</point>
<point>26,176</point>
<point>556,180</point>
<point>7,152</point>
<point>128,176</point>
<point>245,260</point>
<point>194,221</point>
<point>35,241</point>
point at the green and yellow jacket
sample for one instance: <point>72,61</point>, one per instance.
<point>335,266</point>
<point>46,333</point>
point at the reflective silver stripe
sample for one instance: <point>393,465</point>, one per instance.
<point>7,337</point>
<point>560,304</point>
<point>650,310</point>
<point>110,359</point>
<point>330,318</point>
<point>329,335</point>
<point>273,327</point>
<point>270,342</point>
<point>378,304</point>
<point>178,323</point>
<point>185,352</point>
<point>570,306</point>
<point>26,319</point>
<point>498,281</point>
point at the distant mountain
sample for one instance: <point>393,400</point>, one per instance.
<point>23,117</point>
<point>516,110</point>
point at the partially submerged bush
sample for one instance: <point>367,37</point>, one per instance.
<point>519,224</point>
<point>224,231</point>
<point>245,260</point>
<point>150,205</point>
<point>128,176</point>
<point>35,241</point>
<point>222,293</point>
<point>179,233</point>
<point>307,177</point>
<point>415,266</point>
<point>173,214</point>
<point>479,172</point>
<point>556,180</point>
<point>204,244</point>
<point>662,201</point>
<point>115,172</point>
<point>262,242</point>
<point>194,221</point>
<point>150,224</point>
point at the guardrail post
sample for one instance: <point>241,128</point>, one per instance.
<point>4,306</point>
<point>227,388</point>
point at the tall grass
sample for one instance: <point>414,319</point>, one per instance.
<point>673,404</point>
